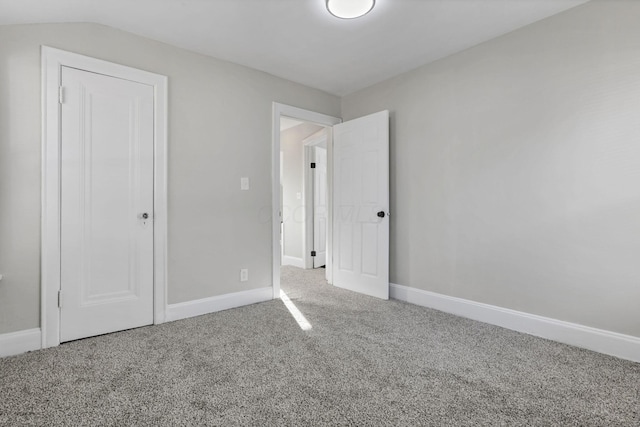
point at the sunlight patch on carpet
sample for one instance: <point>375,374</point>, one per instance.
<point>297,315</point>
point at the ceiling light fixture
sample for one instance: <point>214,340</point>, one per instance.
<point>349,9</point>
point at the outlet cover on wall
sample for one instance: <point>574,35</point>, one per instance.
<point>244,274</point>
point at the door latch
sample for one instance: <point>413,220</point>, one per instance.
<point>144,217</point>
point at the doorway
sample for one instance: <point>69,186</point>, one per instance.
<point>357,247</point>
<point>293,206</point>
<point>303,188</point>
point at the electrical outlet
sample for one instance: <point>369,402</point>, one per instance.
<point>244,275</point>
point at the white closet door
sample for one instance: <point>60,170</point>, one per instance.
<point>106,204</point>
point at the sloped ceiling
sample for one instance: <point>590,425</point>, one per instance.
<point>298,39</point>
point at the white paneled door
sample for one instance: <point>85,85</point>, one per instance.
<point>320,207</point>
<point>106,204</point>
<point>361,205</point>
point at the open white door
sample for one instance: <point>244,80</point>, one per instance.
<point>320,207</point>
<point>361,205</point>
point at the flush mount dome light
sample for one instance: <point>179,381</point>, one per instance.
<point>349,9</point>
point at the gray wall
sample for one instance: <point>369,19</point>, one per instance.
<point>293,182</point>
<point>219,130</point>
<point>515,169</point>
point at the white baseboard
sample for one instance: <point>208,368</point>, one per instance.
<point>602,341</point>
<point>199,307</point>
<point>291,260</point>
<point>20,342</point>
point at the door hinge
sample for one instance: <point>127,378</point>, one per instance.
<point>59,299</point>
<point>313,253</point>
<point>313,165</point>
<point>61,95</point>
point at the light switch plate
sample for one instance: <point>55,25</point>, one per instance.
<point>244,183</point>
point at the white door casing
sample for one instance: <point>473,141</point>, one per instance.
<point>278,111</point>
<point>320,207</point>
<point>360,194</point>
<point>107,191</point>
<point>53,61</point>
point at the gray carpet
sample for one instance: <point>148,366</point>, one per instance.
<point>364,362</point>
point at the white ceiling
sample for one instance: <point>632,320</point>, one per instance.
<point>298,39</point>
<point>288,123</point>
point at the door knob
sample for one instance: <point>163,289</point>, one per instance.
<point>145,215</point>
<point>381,214</point>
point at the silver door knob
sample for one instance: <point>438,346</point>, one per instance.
<point>144,215</point>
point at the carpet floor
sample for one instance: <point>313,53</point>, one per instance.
<point>364,362</point>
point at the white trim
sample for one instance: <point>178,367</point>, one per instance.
<point>199,307</point>
<point>20,342</point>
<point>329,257</point>
<point>602,341</point>
<point>279,110</point>
<point>52,62</point>
<point>294,261</point>
<point>317,139</point>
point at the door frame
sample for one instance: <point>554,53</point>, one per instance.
<point>279,110</point>
<point>52,62</point>
<point>309,145</point>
